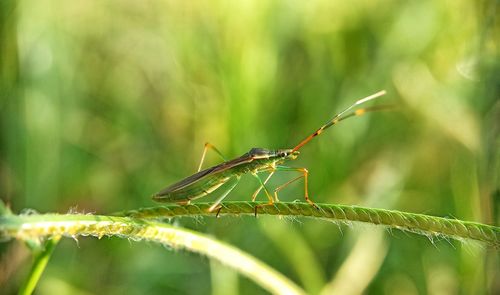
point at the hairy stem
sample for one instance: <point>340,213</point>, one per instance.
<point>29,227</point>
<point>418,223</point>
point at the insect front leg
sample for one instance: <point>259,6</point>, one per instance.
<point>304,175</point>
<point>209,146</point>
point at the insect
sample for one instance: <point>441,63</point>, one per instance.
<point>226,175</point>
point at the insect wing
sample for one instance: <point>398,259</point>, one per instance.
<point>209,171</point>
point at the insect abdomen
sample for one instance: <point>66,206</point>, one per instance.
<point>193,191</point>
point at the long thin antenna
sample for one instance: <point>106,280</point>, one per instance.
<point>339,117</point>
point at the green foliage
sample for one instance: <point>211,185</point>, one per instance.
<point>104,103</point>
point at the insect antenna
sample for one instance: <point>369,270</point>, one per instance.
<point>345,115</point>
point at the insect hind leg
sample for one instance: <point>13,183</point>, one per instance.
<point>209,146</point>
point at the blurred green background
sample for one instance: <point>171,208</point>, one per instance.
<point>103,103</point>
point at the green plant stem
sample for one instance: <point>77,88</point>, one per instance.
<point>417,223</point>
<point>39,264</point>
<point>137,225</point>
<point>27,227</point>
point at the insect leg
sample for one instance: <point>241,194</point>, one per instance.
<point>209,146</point>
<point>254,196</point>
<point>263,186</point>
<point>304,175</point>
<point>232,185</point>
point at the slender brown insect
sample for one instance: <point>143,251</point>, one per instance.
<point>227,174</point>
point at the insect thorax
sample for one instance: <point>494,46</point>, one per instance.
<point>271,157</point>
